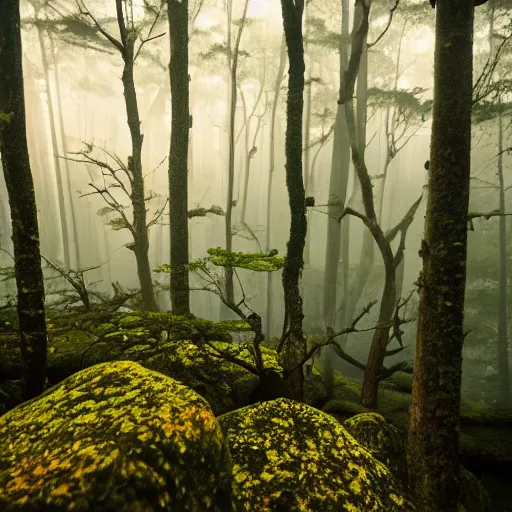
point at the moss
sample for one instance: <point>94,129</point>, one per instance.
<point>115,436</point>
<point>233,325</point>
<point>65,353</point>
<point>472,412</point>
<point>104,328</point>
<point>130,321</point>
<point>382,440</point>
<point>402,380</point>
<point>138,349</point>
<point>225,385</point>
<point>290,456</point>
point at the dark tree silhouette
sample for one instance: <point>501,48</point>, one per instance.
<point>435,410</point>
<point>22,201</point>
<point>295,346</point>
<point>178,163</point>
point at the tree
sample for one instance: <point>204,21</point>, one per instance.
<point>127,47</point>
<point>295,345</point>
<point>434,415</point>
<point>391,259</point>
<point>39,24</point>
<point>20,188</point>
<point>272,157</point>
<point>233,55</point>
<point>338,185</point>
<point>178,153</point>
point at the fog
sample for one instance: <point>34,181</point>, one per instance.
<point>84,86</point>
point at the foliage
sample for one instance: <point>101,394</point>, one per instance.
<point>407,101</point>
<point>258,261</point>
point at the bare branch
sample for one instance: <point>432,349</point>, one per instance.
<point>331,340</point>
<point>85,12</point>
<point>390,19</point>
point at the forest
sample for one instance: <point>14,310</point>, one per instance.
<point>255,255</point>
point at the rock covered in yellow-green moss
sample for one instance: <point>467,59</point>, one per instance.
<point>115,436</point>
<point>290,456</point>
<point>382,440</point>
<point>225,385</point>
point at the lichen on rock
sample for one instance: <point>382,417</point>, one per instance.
<point>115,436</point>
<point>382,440</point>
<point>290,456</point>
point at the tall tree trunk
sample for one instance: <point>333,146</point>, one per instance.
<point>178,155</point>
<point>250,149</point>
<point>307,130</point>
<point>232,55</point>
<point>272,156</point>
<point>369,218</point>
<point>20,188</point>
<point>502,353</point>
<point>367,249</point>
<point>358,284</point>
<point>435,410</point>
<point>72,209</point>
<point>295,346</point>
<point>140,233</point>
<point>55,147</point>
<point>338,184</point>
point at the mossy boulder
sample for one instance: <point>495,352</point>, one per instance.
<point>115,436</point>
<point>402,381</point>
<point>65,352</point>
<point>382,440</point>
<point>484,441</point>
<point>290,456</point>
<point>225,385</point>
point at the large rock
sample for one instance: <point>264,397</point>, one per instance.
<point>288,456</point>
<point>382,440</point>
<point>115,436</point>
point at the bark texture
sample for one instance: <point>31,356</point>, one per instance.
<point>140,230</point>
<point>178,161</point>
<point>434,414</point>
<point>20,188</point>
<point>295,347</point>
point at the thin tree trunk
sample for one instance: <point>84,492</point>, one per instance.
<point>233,55</point>
<point>272,157</point>
<point>366,259</point>
<point>295,346</point>
<point>55,147</point>
<point>72,210</point>
<point>250,148</point>
<point>20,188</point>
<point>140,234</point>
<point>178,156</point>
<point>503,371</point>
<point>307,130</point>
<point>356,135</point>
<point>434,424</point>
<point>338,184</point>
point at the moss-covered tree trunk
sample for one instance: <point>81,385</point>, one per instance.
<point>178,161</point>
<point>295,347</point>
<point>434,414</point>
<point>22,201</point>
<point>140,230</point>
